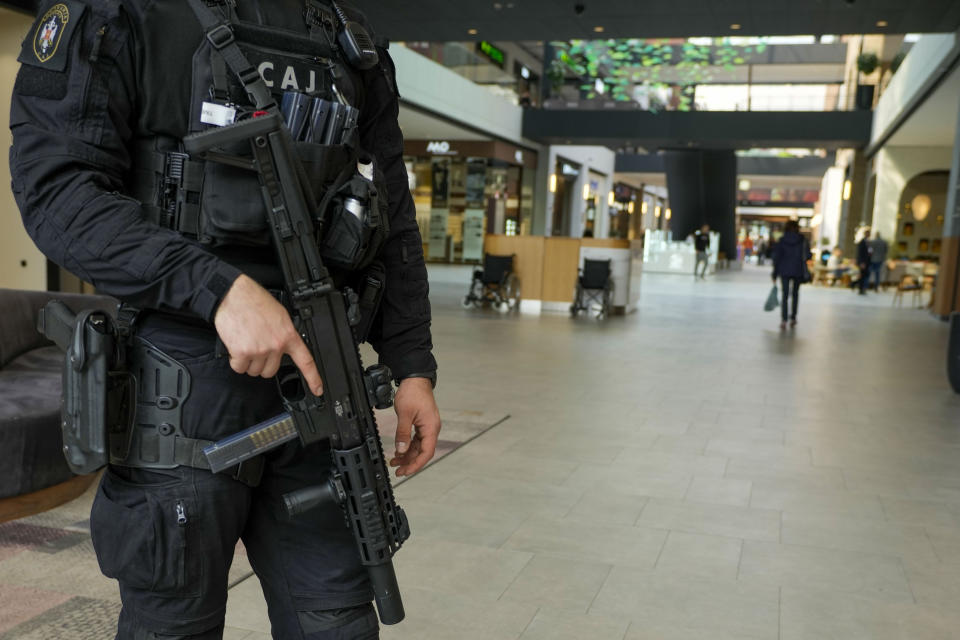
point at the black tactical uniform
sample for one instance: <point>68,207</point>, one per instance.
<point>106,90</point>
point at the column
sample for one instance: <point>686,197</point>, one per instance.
<point>702,186</point>
<point>947,297</point>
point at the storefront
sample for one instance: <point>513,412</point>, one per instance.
<point>464,190</point>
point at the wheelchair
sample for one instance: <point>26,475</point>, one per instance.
<point>594,288</point>
<point>495,284</point>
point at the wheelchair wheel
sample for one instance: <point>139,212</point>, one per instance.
<point>575,307</point>
<point>511,293</point>
<point>607,301</point>
<point>475,297</point>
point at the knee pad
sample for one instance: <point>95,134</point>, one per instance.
<point>133,630</point>
<point>353,623</point>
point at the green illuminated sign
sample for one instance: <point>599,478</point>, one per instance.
<point>495,54</point>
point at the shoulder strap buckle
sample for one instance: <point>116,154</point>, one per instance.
<point>220,36</point>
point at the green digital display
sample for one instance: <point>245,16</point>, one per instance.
<point>495,54</point>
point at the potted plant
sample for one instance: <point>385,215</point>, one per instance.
<point>867,63</point>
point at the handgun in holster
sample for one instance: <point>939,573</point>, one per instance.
<point>98,392</point>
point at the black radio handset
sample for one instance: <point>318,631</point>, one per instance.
<point>356,43</point>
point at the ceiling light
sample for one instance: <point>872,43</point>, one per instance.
<point>881,23</point>
<point>735,26</point>
<point>643,207</point>
<point>586,191</point>
<point>657,212</point>
<point>472,32</point>
<point>669,213</point>
<point>847,190</point>
<point>553,183</point>
<point>598,29</point>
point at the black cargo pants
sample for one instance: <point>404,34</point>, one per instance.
<point>168,537</point>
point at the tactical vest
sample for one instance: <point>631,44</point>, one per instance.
<point>222,206</point>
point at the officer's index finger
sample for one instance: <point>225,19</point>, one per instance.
<point>304,360</point>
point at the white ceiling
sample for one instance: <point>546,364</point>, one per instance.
<point>417,125</point>
<point>934,124</point>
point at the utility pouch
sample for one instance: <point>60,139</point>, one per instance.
<point>371,293</point>
<point>356,225</point>
<point>97,391</point>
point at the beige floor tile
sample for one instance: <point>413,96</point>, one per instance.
<point>529,498</point>
<point>819,503</point>
<point>753,434</point>
<point>799,476</point>
<point>433,615</point>
<point>246,608</point>
<point>552,624</point>
<point>809,567</point>
<point>233,633</point>
<point>601,543</point>
<point>820,613</point>
<point>946,544</point>
<point>720,491</point>
<point>515,466</point>
<point>462,523</point>
<point>709,557</point>
<point>687,444</point>
<point>607,508</point>
<point>739,449</point>
<point>922,512</point>
<point>656,461</point>
<point>468,570</point>
<point>672,602</point>
<point>559,583</point>
<point>712,519</point>
<point>870,536</point>
<point>661,484</point>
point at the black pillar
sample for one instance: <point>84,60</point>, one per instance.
<point>703,190</point>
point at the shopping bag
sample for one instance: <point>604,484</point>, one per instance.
<point>773,300</point>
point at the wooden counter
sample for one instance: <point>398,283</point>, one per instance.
<point>548,267</point>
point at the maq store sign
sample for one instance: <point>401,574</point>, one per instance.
<point>439,148</point>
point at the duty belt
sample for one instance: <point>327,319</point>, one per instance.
<point>155,439</point>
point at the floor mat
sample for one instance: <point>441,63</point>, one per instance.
<point>51,587</point>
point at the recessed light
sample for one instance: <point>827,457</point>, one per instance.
<point>598,29</point>
<point>472,32</point>
<point>881,23</point>
<point>735,26</point>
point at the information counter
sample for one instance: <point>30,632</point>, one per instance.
<point>661,254</point>
<point>548,269</point>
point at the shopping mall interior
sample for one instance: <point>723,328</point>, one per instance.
<point>629,450</point>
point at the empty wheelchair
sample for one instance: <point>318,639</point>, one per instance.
<point>594,289</point>
<point>495,284</point>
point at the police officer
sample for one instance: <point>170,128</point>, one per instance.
<point>106,91</point>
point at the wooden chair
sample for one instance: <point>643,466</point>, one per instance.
<point>907,284</point>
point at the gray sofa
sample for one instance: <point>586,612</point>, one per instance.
<point>30,367</point>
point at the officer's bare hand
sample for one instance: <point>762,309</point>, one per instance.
<point>257,331</point>
<point>416,410</point>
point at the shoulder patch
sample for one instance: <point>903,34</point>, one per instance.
<point>48,44</point>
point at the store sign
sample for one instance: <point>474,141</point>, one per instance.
<point>497,56</point>
<point>440,148</point>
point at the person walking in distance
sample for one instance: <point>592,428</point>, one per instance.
<point>789,265</point>
<point>864,260</point>
<point>878,257</point>
<point>701,241</point>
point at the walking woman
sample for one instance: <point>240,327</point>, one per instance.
<point>790,257</point>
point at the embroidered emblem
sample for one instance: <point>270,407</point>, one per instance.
<point>50,31</point>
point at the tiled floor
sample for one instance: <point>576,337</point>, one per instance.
<point>687,472</point>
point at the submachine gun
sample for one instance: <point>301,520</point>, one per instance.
<point>360,482</point>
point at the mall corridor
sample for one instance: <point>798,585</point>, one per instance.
<point>686,472</point>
